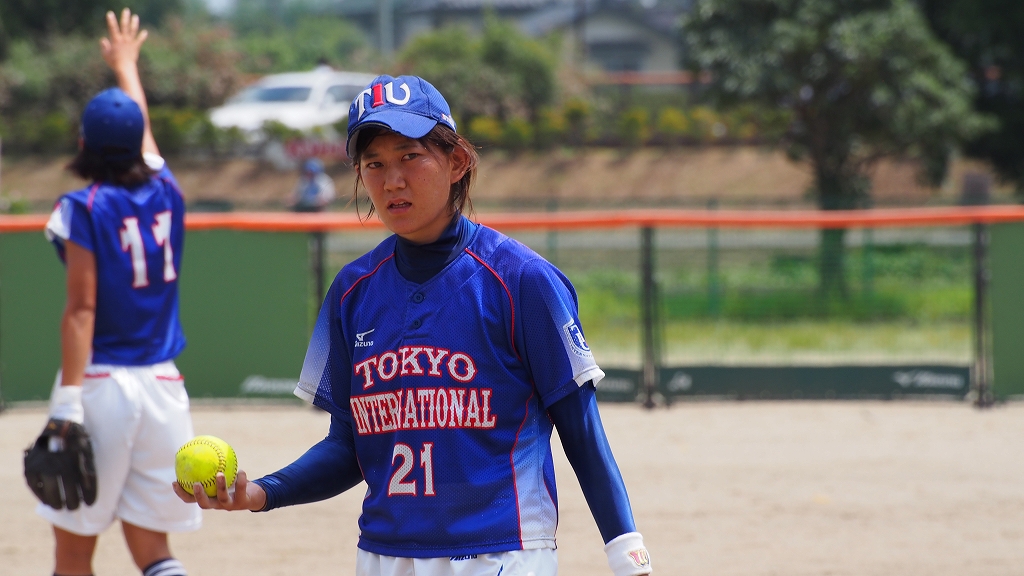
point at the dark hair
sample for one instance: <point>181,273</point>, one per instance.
<point>440,137</point>
<point>91,165</point>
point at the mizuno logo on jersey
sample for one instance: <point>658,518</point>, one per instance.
<point>360,342</point>
<point>574,338</point>
<point>423,409</point>
<point>416,361</point>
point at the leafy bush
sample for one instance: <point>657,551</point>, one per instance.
<point>577,116</point>
<point>190,65</point>
<point>485,131</point>
<point>634,127</point>
<point>672,125</point>
<point>517,135</point>
<point>706,125</point>
<point>274,130</point>
<point>186,131</point>
<point>51,133</point>
<point>171,128</point>
<point>550,129</point>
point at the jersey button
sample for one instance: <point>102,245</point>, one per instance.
<point>417,297</point>
<point>416,324</point>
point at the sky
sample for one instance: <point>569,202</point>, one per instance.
<point>219,6</point>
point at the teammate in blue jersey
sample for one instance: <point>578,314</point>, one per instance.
<point>446,356</point>
<point>121,240</point>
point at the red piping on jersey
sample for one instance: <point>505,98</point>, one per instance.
<point>97,375</point>
<point>512,463</point>
<point>171,378</point>
<point>364,277</point>
<point>511,304</point>
<point>92,195</point>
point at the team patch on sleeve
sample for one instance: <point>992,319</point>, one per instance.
<point>575,341</point>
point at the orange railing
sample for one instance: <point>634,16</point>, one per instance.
<point>341,221</point>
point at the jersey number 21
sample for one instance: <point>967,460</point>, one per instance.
<point>131,242</point>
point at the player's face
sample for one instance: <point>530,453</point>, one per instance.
<point>409,183</point>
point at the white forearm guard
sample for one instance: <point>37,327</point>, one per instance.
<point>627,555</point>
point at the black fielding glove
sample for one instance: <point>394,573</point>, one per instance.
<point>64,478</point>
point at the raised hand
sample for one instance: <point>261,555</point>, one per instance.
<point>124,40</point>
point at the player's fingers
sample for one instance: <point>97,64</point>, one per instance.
<point>142,36</point>
<point>222,490</point>
<point>201,498</point>
<point>126,17</point>
<point>133,30</point>
<point>111,23</point>
<point>241,494</point>
<point>180,493</point>
<point>52,492</point>
<point>104,45</point>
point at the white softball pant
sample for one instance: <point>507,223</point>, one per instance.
<point>137,417</point>
<point>539,562</point>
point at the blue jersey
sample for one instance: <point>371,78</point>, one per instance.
<point>136,236</point>
<point>446,384</point>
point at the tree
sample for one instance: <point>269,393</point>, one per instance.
<point>303,45</point>
<point>503,73</point>
<point>44,19</point>
<point>862,79</point>
<point>45,84</point>
<point>987,35</point>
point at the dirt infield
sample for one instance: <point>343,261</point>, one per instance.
<point>751,488</point>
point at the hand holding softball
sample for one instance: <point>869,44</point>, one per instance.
<point>207,474</point>
<point>245,495</point>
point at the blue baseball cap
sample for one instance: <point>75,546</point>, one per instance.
<point>112,125</point>
<point>408,105</point>
<point>313,165</point>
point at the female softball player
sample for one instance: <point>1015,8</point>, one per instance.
<point>121,239</point>
<point>446,356</point>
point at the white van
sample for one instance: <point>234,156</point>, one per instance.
<point>299,100</point>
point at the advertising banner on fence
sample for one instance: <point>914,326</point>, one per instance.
<point>778,382</point>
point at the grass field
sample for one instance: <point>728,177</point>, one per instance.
<point>797,342</point>
<point>791,488</point>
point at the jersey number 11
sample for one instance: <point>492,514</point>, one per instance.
<point>131,242</point>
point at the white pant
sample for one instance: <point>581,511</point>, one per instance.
<point>137,417</point>
<point>538,562</point>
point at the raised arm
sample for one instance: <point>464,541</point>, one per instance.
<point>121,52</point>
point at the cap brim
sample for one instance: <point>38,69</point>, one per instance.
<point>404,123</point>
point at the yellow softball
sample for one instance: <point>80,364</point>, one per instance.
<point>200,459</point>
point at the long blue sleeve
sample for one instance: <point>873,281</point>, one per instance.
<point>325,470</point>
<point>579,427</point>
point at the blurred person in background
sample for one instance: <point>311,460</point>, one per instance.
<point>315,189</point>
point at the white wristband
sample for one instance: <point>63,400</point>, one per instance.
<point>627,555</point>
<point>66,404</point>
